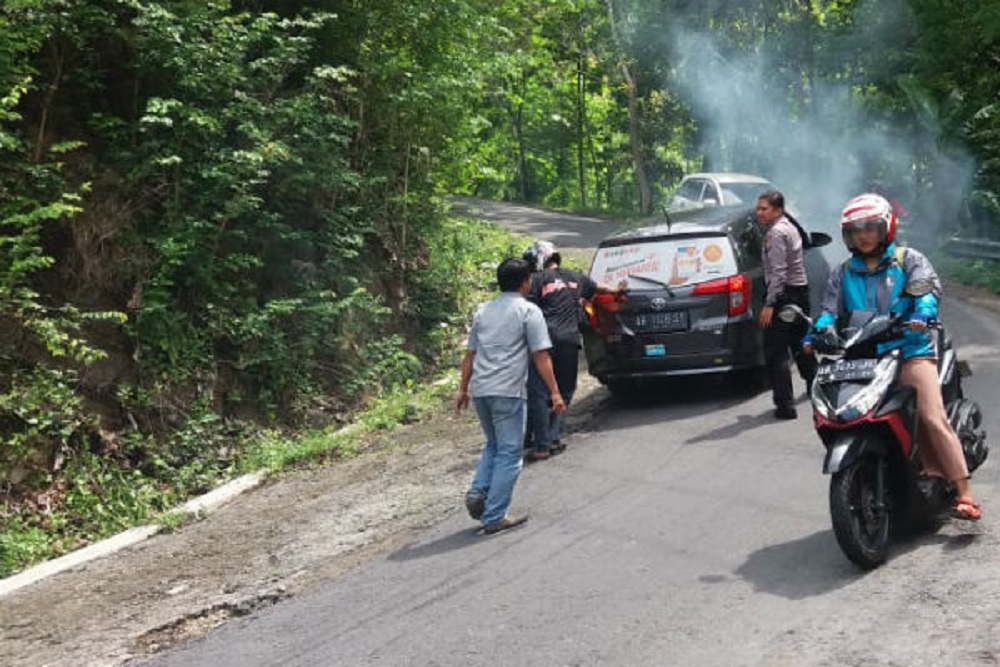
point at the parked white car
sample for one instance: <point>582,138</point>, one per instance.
<point>718,189</point>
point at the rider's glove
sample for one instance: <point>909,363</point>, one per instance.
<point>807,340</point>
<point>918,321</point>
<point>826,340</point>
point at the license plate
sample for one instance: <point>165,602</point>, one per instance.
<point>846,370</point>
<point>674,320</point>
<point>656,350</point>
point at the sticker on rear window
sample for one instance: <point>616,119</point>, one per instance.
<point>671,262</point>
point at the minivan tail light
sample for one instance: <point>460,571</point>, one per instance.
<point>599,310</point>
<point>738,288</point>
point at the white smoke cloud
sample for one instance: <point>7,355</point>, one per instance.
<point>834,148</point>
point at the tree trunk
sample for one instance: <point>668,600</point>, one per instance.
<point>643,191</point>
<point>635,140</point>
<point>581,130</point>
<point>517,121</point>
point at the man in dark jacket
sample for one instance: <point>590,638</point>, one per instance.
<point>557,291</point>
<point>785,275</point>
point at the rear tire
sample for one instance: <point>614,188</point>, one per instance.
<point>861,527</point>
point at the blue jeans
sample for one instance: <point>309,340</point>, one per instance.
<point>502,419</point>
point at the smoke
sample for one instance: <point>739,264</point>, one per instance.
<point>818,143</point>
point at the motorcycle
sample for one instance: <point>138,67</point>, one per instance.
<point>868,423</point>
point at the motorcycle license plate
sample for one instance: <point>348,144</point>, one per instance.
<point>847,370</point>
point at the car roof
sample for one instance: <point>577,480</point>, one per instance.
<point>713,220</point>
<point>729,177</point>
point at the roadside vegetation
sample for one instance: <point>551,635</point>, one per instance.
<point>224,236</point>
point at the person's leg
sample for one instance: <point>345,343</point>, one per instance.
<point>937,433</point>
<point>508,416</point>
<point>806,363</point>
<point>566,364</point>
<point>479,489</point>
<point>776,355</point>
<point>538,412</point>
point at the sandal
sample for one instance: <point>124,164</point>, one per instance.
<point>504,524</point>
<point>967,509</point>
<point>557,447</point>
<point>537,455</point>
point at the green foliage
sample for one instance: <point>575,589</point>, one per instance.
<point>42,418</point>
<point>21,546</point>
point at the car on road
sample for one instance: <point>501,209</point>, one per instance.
<point>717,189</point>
<point>695,287</point>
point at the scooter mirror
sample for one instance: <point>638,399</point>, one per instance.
<point>919,287</point>
<point>820,239</point>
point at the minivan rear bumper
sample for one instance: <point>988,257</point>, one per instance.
<point>627,360</point>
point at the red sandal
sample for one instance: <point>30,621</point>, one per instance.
<point>968,509</point>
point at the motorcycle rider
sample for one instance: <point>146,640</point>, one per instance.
<point>872,279</point>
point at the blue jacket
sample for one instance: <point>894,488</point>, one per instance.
<point>852,287</point>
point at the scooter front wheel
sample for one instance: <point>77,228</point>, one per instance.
<point>860,518</point>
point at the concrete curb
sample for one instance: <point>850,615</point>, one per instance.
<point>194,508</point>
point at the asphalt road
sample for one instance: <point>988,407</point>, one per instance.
<point>688,529</point>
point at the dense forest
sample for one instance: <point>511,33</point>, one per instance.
<point>217,217</point>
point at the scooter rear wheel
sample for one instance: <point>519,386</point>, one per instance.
<point>860,519</point>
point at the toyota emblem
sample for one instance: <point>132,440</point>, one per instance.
<point>658,303</point>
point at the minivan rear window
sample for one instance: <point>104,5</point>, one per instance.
<point>672,261</point>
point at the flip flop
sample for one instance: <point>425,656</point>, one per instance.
<point>504,524</point>
<point>967,509</point>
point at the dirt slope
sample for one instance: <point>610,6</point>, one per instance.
<point>299,529</point>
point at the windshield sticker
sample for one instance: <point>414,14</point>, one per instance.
<point>671,262</point>
<point>648,264</point>
<point>687,263</point>
<point>712,253</point>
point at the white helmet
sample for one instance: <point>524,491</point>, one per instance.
<point>539,253</point>
<point>864,210</point>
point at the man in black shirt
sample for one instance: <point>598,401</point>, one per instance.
<point>557,292</point>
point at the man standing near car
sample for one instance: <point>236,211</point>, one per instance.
<point>507,334</point>
<point>557,291</point>
<point>785,276</point>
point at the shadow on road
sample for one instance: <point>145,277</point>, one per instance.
<point>741,426</point>
<point>442,545</point>
<point>663,399</point>
<point>803,568</point>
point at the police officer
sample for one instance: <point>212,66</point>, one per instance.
<point>785,275</point>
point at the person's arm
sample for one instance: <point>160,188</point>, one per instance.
<point>777,263</point>
<point>543,362</point>
<point>830,310</point>
<point>462,397</point>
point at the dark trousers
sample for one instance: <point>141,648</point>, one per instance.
<point>544,427</point>
<point>782,338</point>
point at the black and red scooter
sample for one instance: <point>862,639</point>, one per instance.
<point>868,424</point>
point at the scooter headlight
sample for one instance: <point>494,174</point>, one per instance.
<point>868,398</point>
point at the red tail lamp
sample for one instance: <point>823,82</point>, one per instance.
<point>600,306</point>
<point>738,288</point>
